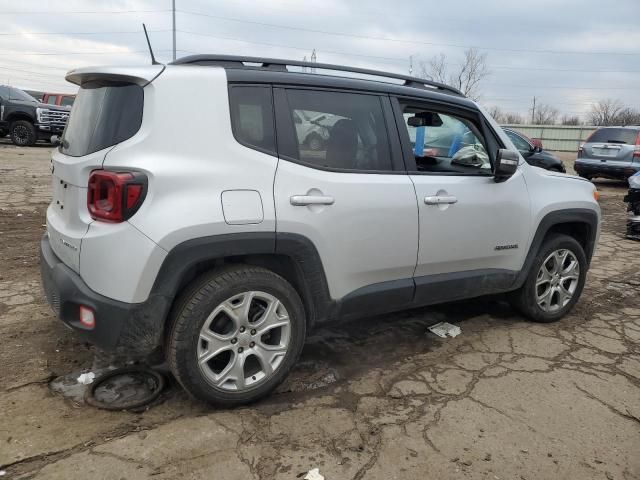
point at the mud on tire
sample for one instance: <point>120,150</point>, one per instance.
<point>543,296</point>
<point>235,311</point>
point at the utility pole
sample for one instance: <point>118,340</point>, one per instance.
<point>410,64</point>
<point>173,11</point>
<point>313,60</point>
<point>533,111</point>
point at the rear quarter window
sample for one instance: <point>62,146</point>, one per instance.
<point>252,117</point>
<point>103,115</point>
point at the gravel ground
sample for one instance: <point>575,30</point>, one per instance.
<point>376,399</point>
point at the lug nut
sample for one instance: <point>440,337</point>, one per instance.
<point>241,329</point>
<point>252,344</point>
<point>234,340</point>
<point>253,331</point>
<point>240,349</point>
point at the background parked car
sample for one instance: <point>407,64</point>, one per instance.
<point>534,154</point>
<point>63,99</point>
<point>26,120</point>
<point>610,152</point>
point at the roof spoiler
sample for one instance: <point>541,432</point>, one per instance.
<point>142,76</point>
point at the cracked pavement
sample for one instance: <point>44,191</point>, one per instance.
<point>378,398</point>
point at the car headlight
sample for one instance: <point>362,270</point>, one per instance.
<point>39,112</point>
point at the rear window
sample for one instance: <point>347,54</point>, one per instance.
<point>614,135</point>
<point>102,116</point>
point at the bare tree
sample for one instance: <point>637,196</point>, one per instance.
<point>513,119</point>
<point>605,112</point>
<point>628,116</point>
<point>545,115</point>
<point>466,78</point>
<point>570,120</point>
<point>496,113</point>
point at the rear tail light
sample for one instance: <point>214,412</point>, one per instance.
<point>580,149</point>
<point>115,196</point>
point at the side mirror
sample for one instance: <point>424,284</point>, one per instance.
<point>55,140</point>
<point>506,164</point>
<point>537,149</point>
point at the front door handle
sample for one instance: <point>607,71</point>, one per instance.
<point>440,199</point>
<point>303,200</point>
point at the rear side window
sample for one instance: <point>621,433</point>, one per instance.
<point>252,117</point>
<point>102,116</point>
<point>335,130</point>
<point>614,135</point>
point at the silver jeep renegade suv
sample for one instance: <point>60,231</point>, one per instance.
<point>191,215</point>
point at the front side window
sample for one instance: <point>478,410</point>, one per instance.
<point>252,117</point>
<point>51,100</point>
<point>343,131</point>
<point>445,143</point>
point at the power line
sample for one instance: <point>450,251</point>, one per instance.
<point>137,32</point>
<point>389,39</point>
<point>78,53</point>
<point>69,12</point>
<point>392,59</point>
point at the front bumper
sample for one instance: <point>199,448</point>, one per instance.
<point>132,329</point>
<point>617,170</point>
<point>45,130</point>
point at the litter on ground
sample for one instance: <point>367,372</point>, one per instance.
<point>86,378</point>
<point>443,329</point>
<point>313,474</point>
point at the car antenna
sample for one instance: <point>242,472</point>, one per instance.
<point>153,59</point>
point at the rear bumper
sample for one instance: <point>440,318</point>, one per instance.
<point>133,329</point>
<point>605,169</point>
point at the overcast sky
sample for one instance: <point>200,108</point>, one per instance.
<point>567,53</point>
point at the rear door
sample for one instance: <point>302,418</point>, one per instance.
<point>611,145</point>
<point>351,197</point>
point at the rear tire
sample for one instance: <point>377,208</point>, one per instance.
<point>235,335</point>
<point>23,133</point>
<point>554,282</point>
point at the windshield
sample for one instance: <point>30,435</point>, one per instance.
<point>102,115</point>
<point>15,94</point>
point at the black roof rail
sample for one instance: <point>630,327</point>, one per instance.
<point>233,61</point>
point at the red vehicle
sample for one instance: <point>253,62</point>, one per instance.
<point>63,99</point>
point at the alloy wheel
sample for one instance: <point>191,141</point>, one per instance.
<point>243,341</point>
<point>21,134</point>
<point>557,280</point>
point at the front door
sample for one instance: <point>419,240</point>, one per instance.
<point>473,230</point>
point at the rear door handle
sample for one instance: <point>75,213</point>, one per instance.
<point>439,199</point>
<point>302,200</point>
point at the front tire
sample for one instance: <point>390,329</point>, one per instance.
<point>555,280</point>
<point>235,335</point>
<point>23,133</point>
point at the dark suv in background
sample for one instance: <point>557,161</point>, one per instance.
<point>610,152</point>
<point>26,120</point>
